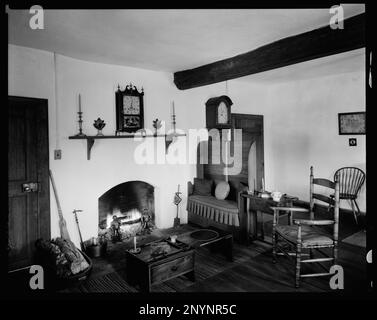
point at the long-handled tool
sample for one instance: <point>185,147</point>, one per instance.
<point>62,223</point>
<point>78,227</point>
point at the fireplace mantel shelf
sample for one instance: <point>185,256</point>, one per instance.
<point>90,139</point>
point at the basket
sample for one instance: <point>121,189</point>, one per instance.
<point>73,280</point>
<point>83,274</point>
<point>54,282</point>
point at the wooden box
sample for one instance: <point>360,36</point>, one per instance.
<point>146,271</point>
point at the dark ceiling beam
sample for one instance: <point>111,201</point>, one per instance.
<point>306,46</point>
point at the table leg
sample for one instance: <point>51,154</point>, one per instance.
<point>145,285</point>
<point>253,224</point>
<point>191,275</point>
<point>247,221</point>
<point>262,226</point>
<point>244,220</point>
<point>228,250</point>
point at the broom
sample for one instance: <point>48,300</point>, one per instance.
<point>62,223</point>
<point>78,262</point>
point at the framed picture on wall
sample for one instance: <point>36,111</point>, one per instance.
<point>351,123</point>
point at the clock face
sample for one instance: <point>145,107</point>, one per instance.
<point>131,105</point>
<point>222,113</point>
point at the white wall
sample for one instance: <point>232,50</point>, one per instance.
<point>81,182</point>
<point>311,110</point>
<point>300,123</point>
<point>301,128</point>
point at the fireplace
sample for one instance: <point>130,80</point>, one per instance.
<point>126,210</point>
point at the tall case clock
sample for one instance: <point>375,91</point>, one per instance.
<point>218,113</point>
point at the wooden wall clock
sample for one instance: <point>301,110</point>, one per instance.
<point>129,109</point>
<point>218,112</point>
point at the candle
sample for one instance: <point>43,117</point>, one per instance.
<point>262,184</point>
<point>79,102</point>
<point>135,243</point>
<point>173,108</point>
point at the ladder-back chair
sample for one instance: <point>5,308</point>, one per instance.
<point>308,234</point>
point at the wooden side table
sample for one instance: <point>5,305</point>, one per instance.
<point>252,205</point>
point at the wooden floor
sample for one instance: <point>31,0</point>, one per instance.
<point>252,270</point>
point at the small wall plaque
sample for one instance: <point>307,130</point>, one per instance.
<point>352,142</point>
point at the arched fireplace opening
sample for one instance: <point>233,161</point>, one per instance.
<point>126,210</point>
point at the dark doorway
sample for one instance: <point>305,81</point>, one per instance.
<point>28,178</point>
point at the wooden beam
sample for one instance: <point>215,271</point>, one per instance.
<point>299,48</point>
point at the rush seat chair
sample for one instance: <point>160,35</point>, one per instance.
<point>309,235</point>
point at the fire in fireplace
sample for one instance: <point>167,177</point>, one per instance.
<point>126,210</point>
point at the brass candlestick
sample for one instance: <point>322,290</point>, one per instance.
<point>80,134</point>
<point>173,118</point>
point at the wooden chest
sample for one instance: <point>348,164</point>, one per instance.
<point>145,273</point>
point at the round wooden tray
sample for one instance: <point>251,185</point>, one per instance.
<point>204,234</point>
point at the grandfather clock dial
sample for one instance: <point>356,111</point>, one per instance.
<point>222,113</point>
<point>218,112</point>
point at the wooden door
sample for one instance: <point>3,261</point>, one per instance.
<point>252,132</point>
<point>28,162</point>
